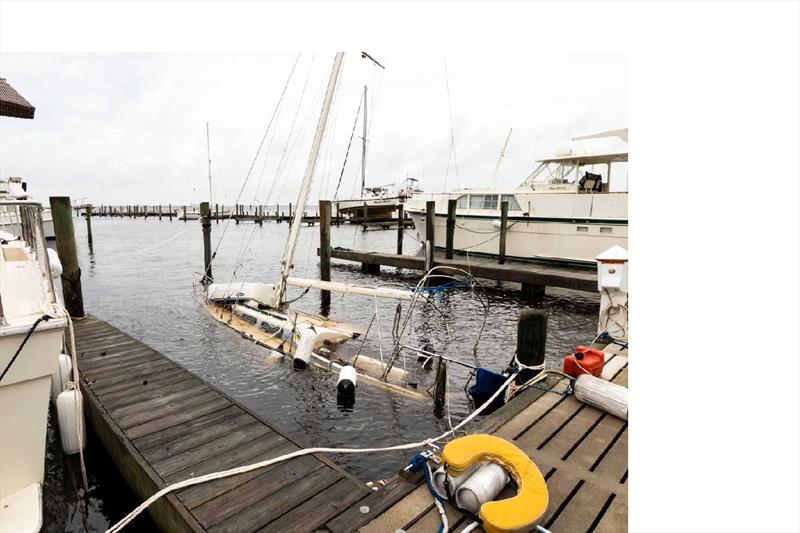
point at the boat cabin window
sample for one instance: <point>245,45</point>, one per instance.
<point>483,201</point>
<point>463,201</point>
<point>512,202</point>
<point>553,173</point>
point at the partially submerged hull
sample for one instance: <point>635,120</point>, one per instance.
<point>264,328</point>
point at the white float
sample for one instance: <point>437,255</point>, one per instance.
<point>602,394</point>
<point>61,376</point>
<point>69,406</point>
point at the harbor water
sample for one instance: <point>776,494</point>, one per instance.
<point>142,276</point>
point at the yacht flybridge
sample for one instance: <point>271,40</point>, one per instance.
<point>16,189</point>
<point>573,206</point>
<point>259,312</point>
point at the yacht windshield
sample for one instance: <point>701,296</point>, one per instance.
<point>552,172</point>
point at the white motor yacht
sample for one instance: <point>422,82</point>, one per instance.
<point>573,206</point>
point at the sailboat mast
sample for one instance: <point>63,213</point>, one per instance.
<point>208,149</point>
<point>502,153</point>
<point>364,147</point>
<point>305,188</point>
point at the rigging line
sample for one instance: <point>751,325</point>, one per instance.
<point>247,177</point>
<point>349,144</point>
<point>294,149</point>
<point>452,135</point>
<point>291,131</point>
<point>242,251</point>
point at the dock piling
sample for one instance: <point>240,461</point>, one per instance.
<point>205,214</point>
<point>531,340</point>
<point>325,250</point>
<point>400,229</point>
<point>451,227</point>
<point>503,231</point>
<point>61,210</point>
<point>88,212</point>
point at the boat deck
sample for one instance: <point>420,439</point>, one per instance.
<point>161,424</point>
<point>581,451</point>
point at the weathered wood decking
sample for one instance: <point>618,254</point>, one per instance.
<point>162,424</point>
<point>581,451</point>
<point>529,274</point>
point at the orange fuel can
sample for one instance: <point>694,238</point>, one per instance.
<point>585,360</point>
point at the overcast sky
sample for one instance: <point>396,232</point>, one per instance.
<point>130,128</point>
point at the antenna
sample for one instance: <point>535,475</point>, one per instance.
<point>502,153</point>
<point>208,148</point>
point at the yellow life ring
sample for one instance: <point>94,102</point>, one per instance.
<point>512,515</point>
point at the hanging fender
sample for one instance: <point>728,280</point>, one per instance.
<point>518,513</point>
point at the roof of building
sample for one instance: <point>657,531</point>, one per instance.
<point>13,104</point>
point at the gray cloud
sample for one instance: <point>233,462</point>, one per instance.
<point>130,128</point>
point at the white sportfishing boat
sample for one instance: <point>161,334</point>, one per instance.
<point>259,312</point>
<point>31,337</point>
<point>568,210</point>
<point>16,189</point>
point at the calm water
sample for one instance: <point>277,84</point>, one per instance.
<point>141,277</point>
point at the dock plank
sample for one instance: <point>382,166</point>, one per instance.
<point>314,512</point>
<point>272,507</point>
<point>581,279</point>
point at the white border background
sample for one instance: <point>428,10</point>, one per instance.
<point>714,205</point>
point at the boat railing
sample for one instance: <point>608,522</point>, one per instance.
<point>23,220</point>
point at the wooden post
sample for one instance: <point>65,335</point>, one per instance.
<point>169,210</point>
<point>532,292</point>
<point>325,250</point>
<point>503,230</point>
<point>440,388</point>
<point>451,227</point>
<point>364,218</point>
<point>400,229</point>
<point>88,213</point>
<point>290,210</point>
<point>430,221</point>
<point>216,212</point>
<point>61,210</point>
<point>531,340</point>
<point>205,215</point>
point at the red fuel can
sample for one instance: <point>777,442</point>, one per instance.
<point>585,360</point>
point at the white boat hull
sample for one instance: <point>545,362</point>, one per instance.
<point>24,399</point>
<point>564,228</point>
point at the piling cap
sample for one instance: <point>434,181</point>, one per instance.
<point>615,254</point>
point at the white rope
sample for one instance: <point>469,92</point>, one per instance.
<point>79,421</point>
<point>299,453</point>
<point>439,506</point>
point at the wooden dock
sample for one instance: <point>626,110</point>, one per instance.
<point>581,451</point>
<point>533,277</point>
<point>161,424</point>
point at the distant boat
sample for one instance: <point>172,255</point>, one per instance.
<point>563,212</point>
<point>16,189</point>
<point>189,213</point>
<point>377,203</point>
